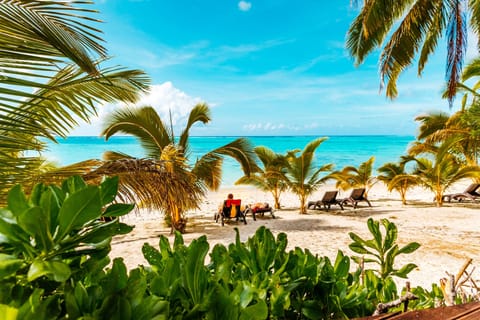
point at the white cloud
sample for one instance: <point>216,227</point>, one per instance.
<point>244,5</point>
<point>164,98</point>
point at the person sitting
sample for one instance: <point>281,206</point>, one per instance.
<point>231,208</point>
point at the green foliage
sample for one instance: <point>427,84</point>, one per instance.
<point>53,265</point>
<point>53,238</point>
<point>382,250</point>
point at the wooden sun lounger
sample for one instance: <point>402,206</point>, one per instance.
<point>329,199</point>
<point>357,195</point>
<point>469,193</point>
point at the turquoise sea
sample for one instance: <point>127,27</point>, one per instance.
<point>339,150</point>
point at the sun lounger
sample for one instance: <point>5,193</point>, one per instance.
<point>259,208</point>
<point>329,199</point>
<point>357,195</point>
<point>469,193</point>
<point>231,210</point>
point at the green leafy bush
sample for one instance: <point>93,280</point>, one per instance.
<point>54,264</point>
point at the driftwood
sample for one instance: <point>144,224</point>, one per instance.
<point>383,307</point>
<point>456,285</point>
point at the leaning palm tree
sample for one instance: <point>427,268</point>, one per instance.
<point>271,178</point>
<point>389,172</point>
<point>160,143</point>
<point>438,170</point>
<point>49,77</point>
<point>353,177</point>
<point>414,29</point>
<point>304,177</point>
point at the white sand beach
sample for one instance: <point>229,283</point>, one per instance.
<point>448,235</point>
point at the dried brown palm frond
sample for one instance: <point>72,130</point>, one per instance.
<point>148,182</point>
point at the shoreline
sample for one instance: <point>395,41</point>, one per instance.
<point>448,235</point>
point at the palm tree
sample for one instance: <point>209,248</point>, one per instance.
<point>159,142</point>
<point>414,29</point>
<point>50,77</point>
<point>353,177</point>
<point>438,170</point>
<point>272,177</point>
<point>390,171</point>
<point>304,177</point>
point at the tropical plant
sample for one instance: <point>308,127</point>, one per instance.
<point>438,169</point>
<point>50,78</point>
<point>53,238</point>
<point>54,246</point>
<point>353,177</point>
<point>304,177</point>
<point>271,178</point>
<point>160,143</point>
<point>414,29</point>
<point>389,171</point>
<point>382,250</point>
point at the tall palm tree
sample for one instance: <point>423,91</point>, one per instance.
<point>414,29</point>
<point>159,142</point>
<point>439,169</point>
<point>50,77</point>
<point>271,178</point>
<point>389,173</point>
<point>304,177</point>
<point>353,177</point>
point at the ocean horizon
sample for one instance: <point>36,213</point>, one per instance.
<point>341,150</point>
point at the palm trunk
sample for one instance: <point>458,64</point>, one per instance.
<point>303,209</point>
<point>276,198</point>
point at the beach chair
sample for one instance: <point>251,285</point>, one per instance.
<point>357,195</point>
<point>469,193</point>
<point>329,199</point>
<point>259,209</point>
<point>231,210</point>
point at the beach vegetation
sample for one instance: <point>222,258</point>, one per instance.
<point>389,173</point>
<point>437,169</point>
<point>271,176</point>
<point>160,143</point>
<point>52,75</point>
<point>54,264</point>
<point>304,176</point>
<point>356,177</point>
<point>409,33</point>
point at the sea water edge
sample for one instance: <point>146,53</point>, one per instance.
<point>339,150</point>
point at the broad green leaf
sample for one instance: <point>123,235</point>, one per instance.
<point>405,270</point>
<point>342,265</point>
<point>36,223</point>
<point>9,265</point>
<point>257,311</point>
<point>117,278</point>
<point>81,207</point>
<point>36,194</point>
<point>118,209</point>
<point>196,275</point>
<point>374,227</point>
<point>8,313</point>
<point>73,184</point>
<point>17,201</point>
<point>390,234</point>
<point>409,248</point>
<point>105,231</point>
<point>152,255</point>
<point>108,190</point>
<point>54,270</point>
<point>51,206</point>
<point>358,248</point>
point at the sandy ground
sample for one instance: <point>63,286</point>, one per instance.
<point>448,235</point>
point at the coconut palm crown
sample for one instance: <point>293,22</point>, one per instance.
<point>304,176</point>
<point>271,178</point>
<point>159,142</point>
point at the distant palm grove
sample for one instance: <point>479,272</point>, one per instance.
<point>58,222</point>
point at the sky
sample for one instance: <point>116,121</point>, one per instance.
<point>265,67</point>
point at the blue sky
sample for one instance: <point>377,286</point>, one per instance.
<point>264,67</point>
